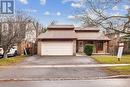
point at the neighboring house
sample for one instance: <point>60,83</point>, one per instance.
<point>68,40</point>
<point>25,44</point>
<point>29,36</point>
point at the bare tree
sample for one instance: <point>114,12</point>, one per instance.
<point>53,22</point>
<point>0,32</point>
<point>38,27</point>
<point>13,30</point>
<point>96,13</point>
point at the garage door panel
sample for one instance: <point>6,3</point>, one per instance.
<point>57,48</point>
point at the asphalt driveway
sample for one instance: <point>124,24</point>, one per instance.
<point>42,73</point>
<point>59,60</point>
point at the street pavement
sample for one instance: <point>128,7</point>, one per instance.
<point>51,73</point>
<point>73,71</point>
<point>69,83</point>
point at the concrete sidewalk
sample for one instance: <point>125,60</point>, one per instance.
<point>65,66</point>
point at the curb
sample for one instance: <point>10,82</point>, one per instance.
<point>56,79</point>
<point>119,76</point>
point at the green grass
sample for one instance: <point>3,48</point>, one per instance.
<point>112,59</point>
<point>12,60</point>
<point>116,70</point>
<point>119,70</point>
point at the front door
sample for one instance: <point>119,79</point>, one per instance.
<point>100,46</point>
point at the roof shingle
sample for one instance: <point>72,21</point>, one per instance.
<point>87,29</point>
<point>58,34</point>
<point>61,27</point>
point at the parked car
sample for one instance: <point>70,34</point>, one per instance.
<point>12,52</point>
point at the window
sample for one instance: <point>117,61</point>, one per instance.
<point>80,43</point>
<point>100,45</point>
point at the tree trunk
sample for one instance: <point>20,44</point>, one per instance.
<point>0,32</point>
<point>5,55</point>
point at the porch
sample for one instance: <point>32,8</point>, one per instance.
<point>100,46</point>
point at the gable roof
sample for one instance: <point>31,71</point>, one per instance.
<point>58,34</point>
<point>87,29</point>
<point>61,32</point>
<point>91,36</point>
<point>60,27</point>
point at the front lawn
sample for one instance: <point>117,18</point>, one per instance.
<point>112,59</point>
<point>12,60</point>
<point>116,70</point>
<point>120,70</point>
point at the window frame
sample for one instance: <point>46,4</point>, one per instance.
<point>100,45</point>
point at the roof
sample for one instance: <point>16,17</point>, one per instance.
<point>60,27</point>
<point>90,29</point>
<point>62,32</point>
<point>58,34</point>
<point>91,36</point>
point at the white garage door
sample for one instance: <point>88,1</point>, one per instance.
<point>57,48</point>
